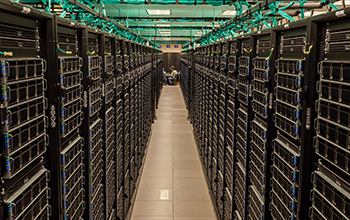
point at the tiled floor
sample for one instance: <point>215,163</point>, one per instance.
<point>172,185</point>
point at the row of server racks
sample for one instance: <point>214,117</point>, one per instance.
<point>77,108</point>
<point>271,118</point>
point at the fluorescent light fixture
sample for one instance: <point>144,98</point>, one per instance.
<point>167,39</point>
<point>163,25</point>
<point>347,2</point>
<point>210,25</point>
<point>229,12</point>
<point>308,13</point>
<point>158,12</point>
<point>197,35</point>
<point>165,33</point>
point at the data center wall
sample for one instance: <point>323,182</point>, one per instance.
<point>76,117</point>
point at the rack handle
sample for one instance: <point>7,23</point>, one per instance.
<point>312,195</point>
<point>8,93</point>
<point>266,75</point>
<point>317,105</point>
<point>45,84</point>
<point>296,98</point>
<point>9,117</point>
<point>13,210</point>
<point>48,193</point>
<point>311,212</point>
<point>316,125</point>
<point>7,69</point>
<point>47,140</point>
<point>49,211</point>
<point>318,84</point>
<point>46,122</point>
<point>11,164</point>
<point>44,67</point>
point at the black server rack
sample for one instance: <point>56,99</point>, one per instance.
<point>231,53</point>
<point>262,128</point>
<point>159,78</point>
<point>330,193</point>
<point>186,81</point>
<point>126,118</point>
<point>119,129</point>
<point>108,114</point>
<point>24,139</point>
<point>70,141</point>
<point>214,49</point>
<point>93,125</point>
<point>294,98</point>
<point>244,115</point>
<point>220,69</point>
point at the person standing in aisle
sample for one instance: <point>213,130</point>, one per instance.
<point>174,74</point>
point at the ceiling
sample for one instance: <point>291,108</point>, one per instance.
<point>184,23</point>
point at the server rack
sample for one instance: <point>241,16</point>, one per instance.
<point>231,63</point>
<point>108,112</point>
<point>93,127</point>
<point>220,69</point>
<point>294,92</point>
<point>66,115</point>
<point>126,118</point>
<point>24,139</point>
<point>330,180</point>
<point>244,115</point>
<point>119,129</point>
<point>262,128</point>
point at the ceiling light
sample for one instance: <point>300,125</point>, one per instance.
<point>167,39</point>
<point>210,25</point>
<point>229,12</point>
<point>308,13</point>
<point>163,25</point>
<point>165,33</point>
<point>197,35</point>
<point>158,12</point>
<point>347,2</point>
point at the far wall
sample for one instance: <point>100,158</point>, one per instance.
<point>171,48</point>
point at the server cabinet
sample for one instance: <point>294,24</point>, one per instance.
<point>262,128</point>
<point>292,156</point>
<point>66,99</point>
<point>24,138</point>
<point>119,56</point>
<point>330,180</point>
<point>108,112</point>
<point>231,75</point>
<point>244,115</point>
<point>93,126</point>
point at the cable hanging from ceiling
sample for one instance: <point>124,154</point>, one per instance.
<point>170,2</point>
<point>88,12</point>
<point>255,18</point>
